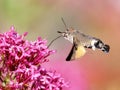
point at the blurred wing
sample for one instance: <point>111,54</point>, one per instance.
<point>76,52</point>
<point>71,54</point>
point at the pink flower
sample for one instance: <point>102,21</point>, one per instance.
<point>20,64</point>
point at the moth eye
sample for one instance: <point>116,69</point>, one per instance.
<point>65,35</point>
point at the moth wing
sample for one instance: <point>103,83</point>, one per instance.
<point>76,52</point>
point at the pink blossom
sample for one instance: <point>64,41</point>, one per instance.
<point>20,64</point>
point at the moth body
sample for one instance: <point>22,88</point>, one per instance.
<point>81,41</point>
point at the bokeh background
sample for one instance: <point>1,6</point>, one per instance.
<point>100,18</point>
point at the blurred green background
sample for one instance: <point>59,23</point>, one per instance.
<point>100,18</point>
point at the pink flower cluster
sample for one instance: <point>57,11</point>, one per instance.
<point>20,64</point>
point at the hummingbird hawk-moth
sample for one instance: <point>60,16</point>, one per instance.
<point>80,41</point>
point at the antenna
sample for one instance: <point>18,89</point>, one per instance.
<point>53,41</point>
<point>64,23</point>
<point>58,32</point>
